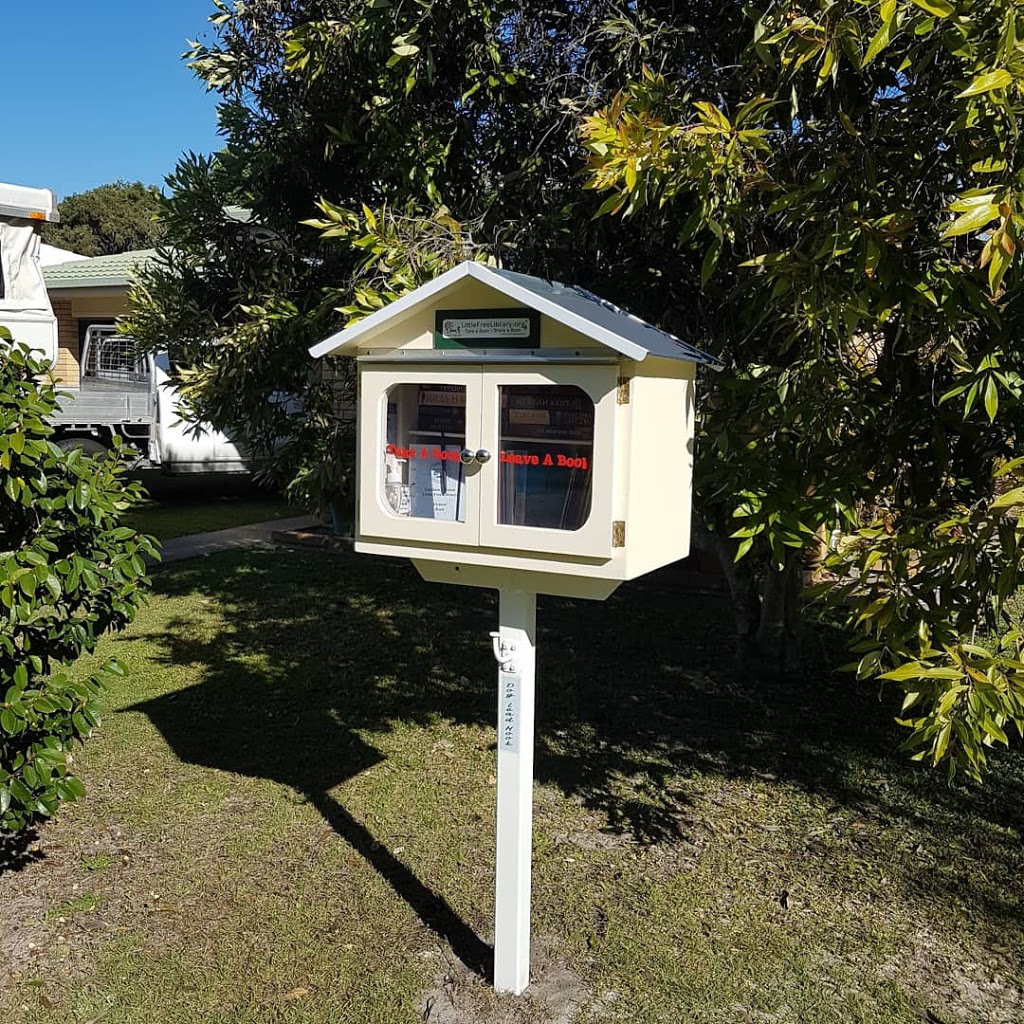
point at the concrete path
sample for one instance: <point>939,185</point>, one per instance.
<point>253,535</point>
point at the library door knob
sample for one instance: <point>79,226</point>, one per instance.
<point>483,455</point>
<point>466,456</point>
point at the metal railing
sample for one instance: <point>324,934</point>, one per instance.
<point>109,356</point>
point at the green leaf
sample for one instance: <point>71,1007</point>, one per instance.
<point>911,698</point>
<point>990,165</point>
<point>998,79</point>
<point>20,791</point>
<point>612,204</point>
<point>972,221</point>
<point>74,784</point>
<point>915,670</point>
<point>997,268</point>
<point>1008,500</point>
<point>879,42</point>
<point>991,399</point>
<point>940,8</point>
<point>707,267</point>
<point>1009,467</point>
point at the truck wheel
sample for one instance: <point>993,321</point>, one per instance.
<point>89,445</point>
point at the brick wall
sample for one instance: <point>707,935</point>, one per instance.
<point>67,369</point>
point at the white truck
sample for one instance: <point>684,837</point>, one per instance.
<point>111,390</point>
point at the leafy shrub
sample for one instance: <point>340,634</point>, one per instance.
<point>938,608</point>
<point>68,573</point>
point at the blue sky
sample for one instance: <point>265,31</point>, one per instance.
<point>95,91</point>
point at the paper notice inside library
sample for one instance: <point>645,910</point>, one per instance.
<point>437,486</point>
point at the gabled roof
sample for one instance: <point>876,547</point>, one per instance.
<point>114,271</point>
<point>569,305</point>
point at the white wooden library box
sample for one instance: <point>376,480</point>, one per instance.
<point>510,425</point>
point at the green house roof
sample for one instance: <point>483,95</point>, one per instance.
<point>115,271</point>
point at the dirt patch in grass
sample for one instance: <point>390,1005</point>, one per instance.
<point>952,982</point>
<point>81,885</point>
<point>556,994</point>
<point>22,929</point>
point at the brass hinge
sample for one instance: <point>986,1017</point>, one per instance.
<point>619,533</point>
<point>622,392</point>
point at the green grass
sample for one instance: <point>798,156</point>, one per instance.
<point>290,818</point>
<point>202,510</point>
<point>81,903</point>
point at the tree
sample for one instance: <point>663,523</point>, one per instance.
<point>113,218</point>
<point>69,572</point>
<point>856,192</point>
<point>433,131</point>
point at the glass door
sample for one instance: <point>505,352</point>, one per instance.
<point>419,478</point>
<point>548,485</point>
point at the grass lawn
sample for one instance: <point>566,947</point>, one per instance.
<point>182,507</point>
<point>290,819</point>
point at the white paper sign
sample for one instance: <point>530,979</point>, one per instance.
<point>436,488</point>
<point>508,714</point>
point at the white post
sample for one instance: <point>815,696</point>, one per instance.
<point>514,647</point>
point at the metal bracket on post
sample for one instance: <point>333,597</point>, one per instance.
<point>504,652</point>
<point>514,650</point>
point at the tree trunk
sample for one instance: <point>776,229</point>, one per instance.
<point>746,601</point>
<point>767,619</point>
<point>779,631</point>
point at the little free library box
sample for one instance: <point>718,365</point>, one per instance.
<point>524,435</point>
<point>512,425</point>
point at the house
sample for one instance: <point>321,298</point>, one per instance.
<point>84,292</point>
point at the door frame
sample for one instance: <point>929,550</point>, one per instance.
<point>376,518</point>
<point>594,538</point>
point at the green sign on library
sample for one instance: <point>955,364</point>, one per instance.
<point>516,327</point>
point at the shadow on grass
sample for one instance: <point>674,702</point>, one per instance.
<point>18,851</point>
<point>634,694</point>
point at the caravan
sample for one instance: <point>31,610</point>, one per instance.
<point>24,303</point>
<point>68,313</point>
